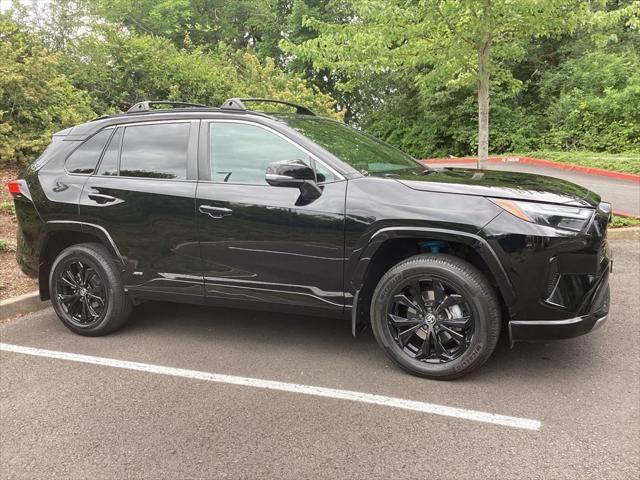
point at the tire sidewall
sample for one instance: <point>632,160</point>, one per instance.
<point>486,327</point>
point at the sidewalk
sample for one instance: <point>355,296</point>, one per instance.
<point>624,195</point>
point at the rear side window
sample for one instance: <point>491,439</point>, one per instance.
<point>85,158</point>
<point>155,151</point>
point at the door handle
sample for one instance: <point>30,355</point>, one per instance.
<point>101,198</point>
<point>215,212</point>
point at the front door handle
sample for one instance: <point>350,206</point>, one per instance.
<point>215,212</point>
<point>101,198</point>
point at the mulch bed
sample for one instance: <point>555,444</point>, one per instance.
<point>12,281</point>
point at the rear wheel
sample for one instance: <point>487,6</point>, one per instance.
<point>87,292</point>
<point>436,316</point>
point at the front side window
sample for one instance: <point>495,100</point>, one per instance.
<point>240,153</point>
<point>85,158</point>
<point>155,151</point>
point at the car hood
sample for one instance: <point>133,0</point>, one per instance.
<point>494,183</point>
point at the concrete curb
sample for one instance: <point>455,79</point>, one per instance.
<point>543,163</point>
<point>27,303</point>
<point>625,233</point>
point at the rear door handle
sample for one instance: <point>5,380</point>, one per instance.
<point>101,198</point>
<point>215,212</point>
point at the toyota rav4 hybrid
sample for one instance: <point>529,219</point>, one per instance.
<point>293,212</point>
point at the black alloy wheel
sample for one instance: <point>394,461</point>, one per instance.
<point>436,316</point>
<point>81,293</point>
<point>87,290</point>
<point>430,320</point>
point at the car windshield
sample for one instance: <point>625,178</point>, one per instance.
<point>363,152</point>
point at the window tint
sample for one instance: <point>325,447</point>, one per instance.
<point>240,153</point>
<point>109,163</point>
<point>155,151</point>
<point>85,158</point>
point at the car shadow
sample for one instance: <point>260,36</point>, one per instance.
<point>330,339</point>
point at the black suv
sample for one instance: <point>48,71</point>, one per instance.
<point>293,212</point>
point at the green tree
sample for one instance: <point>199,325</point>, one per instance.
<point>258,25</point>
<point>240,23</point>
<point>120,69</point>
<point>36,98</point>
<point>439,43</point>
<point>588,93</point>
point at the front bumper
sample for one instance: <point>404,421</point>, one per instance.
<point>543,330</point>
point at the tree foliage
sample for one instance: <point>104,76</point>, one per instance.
<point>36,99</point>
<point>49,81</point>
<point>118,70</point>
<point>564,73</point>
<point>439,44</point>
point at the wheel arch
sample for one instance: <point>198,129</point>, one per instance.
<point>61,234</point>
<point>390,245</point>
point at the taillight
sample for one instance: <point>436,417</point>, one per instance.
<point>14,188</point>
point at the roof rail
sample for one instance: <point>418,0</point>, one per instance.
<point>239,104</point>
<point>146,105</point>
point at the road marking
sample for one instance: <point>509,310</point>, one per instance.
<point>423,407</point>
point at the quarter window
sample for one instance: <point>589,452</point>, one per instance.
<point>109,164</point>
<point>155,151</point>
<point>240,153</point>
<point>85,158</point>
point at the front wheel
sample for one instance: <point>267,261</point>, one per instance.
<point>87,292</point>
<point>436,316</point>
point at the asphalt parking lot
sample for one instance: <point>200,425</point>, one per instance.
<point>66,418</point>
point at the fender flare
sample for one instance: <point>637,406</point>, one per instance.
<point>73,226</point>
<point>90,228</point>
<point>480,245</point>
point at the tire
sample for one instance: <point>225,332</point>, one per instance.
<point>471,325</point>
<point>87,291</point>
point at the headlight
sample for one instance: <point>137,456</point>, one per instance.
<point>559,216</point>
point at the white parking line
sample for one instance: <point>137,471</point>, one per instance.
<point>353,396</point>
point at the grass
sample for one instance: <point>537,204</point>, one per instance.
<point>8,207</point>
<point>620,222</point>
<point>620,162</point>
<point>4,246</point>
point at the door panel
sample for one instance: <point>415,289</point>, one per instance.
<point>267,249</point>
<point>265,244</point>
<point>144,197</point>
<point>152,223</point>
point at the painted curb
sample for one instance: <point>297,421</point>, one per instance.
<point>621,213</point>
<point>27,303</point>
<point>632,177</point>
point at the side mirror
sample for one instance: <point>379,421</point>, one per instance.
<point>289,173</point>
<point>294,173</point>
